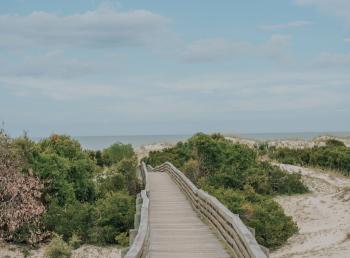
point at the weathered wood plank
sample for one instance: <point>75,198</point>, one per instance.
<point>176,229</point>
<point>229,226</point>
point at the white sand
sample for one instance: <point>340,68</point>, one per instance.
<point>323,216</point>
<point>85,251</point>
<point>144,150</point>
<point>293,144</point>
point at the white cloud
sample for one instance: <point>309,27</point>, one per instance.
<point>55,89</point>
<point>53,64</point>
<point>282,26</point>
<point>199,102</point>
<point>209,50</point>
<point>333,60</point>
<point>218,49</point>
<point>264,92</point>
<point>101,28</point>
<point>340,8</point>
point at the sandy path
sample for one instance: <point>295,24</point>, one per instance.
<point>323,216</point>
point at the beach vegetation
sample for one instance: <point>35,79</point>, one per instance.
<point>334,155</point>
<point>234,174</point>
<point>57,188</point>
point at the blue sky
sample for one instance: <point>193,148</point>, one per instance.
<point>89,67</point>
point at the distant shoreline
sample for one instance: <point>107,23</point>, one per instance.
<point>101,142</point>
<point>288,135</point>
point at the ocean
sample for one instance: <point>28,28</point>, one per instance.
<point>100,142</point>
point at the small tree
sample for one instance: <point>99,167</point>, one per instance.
<point>20,198</point>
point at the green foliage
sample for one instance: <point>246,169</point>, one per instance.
<point>98,157</point>
<point>334,143</point>
<point>233,174</point>
<point>96,224</point>
<point>116,213</point>
<point>228,165</point>
<point>191,167</point>
<point>62,145</point>
<point>122,239</point>
<point>58,249</point>
<point>74,241</point>
<point>66,170</point>
<point>83,204</point>
<point>120,177</point>
<point>334,155</point>
<point>272,226</point>
<point>116,152</point>
<point>75,218</point>
<point>26,149</point>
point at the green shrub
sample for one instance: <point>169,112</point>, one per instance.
<point>335,156</point>
<point>191,168</point>
<point>116,214</point>
<point>83,205</point>
<point>272,226</point>
<point>122,239</point>
<point>74,241</point>
<point>116,153</point>
<point>58,249</point>
<point>120,177</point>
<point>334,143</point>
<point>75,218</point>
<point>66,169</point>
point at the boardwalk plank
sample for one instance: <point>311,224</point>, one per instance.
<point>176,229</point>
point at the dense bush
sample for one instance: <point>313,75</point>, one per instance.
<point>223,164</point>
<point>233,173</point>
<point>334,155</point>
<point>116,213</point>
<point>21,206</point>
<point>272,226</point>
<point>116,152</point>
<point>98,224</point>
<point>58,249</point>
<point>78,198</point>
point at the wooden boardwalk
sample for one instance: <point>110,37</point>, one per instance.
<point>176,229</point>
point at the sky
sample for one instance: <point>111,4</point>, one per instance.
<point>134,67</point>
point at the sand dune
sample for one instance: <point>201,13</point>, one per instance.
<point>290,143</point>
<point>323,216</point>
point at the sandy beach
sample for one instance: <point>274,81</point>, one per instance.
<point>322,216</point>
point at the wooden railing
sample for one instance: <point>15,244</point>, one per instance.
<point>140,243</point>
<point>237,237</point>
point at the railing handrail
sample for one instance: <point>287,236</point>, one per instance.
<point>144,174</point>
<point>140,244</point>
<point>230,227</point>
